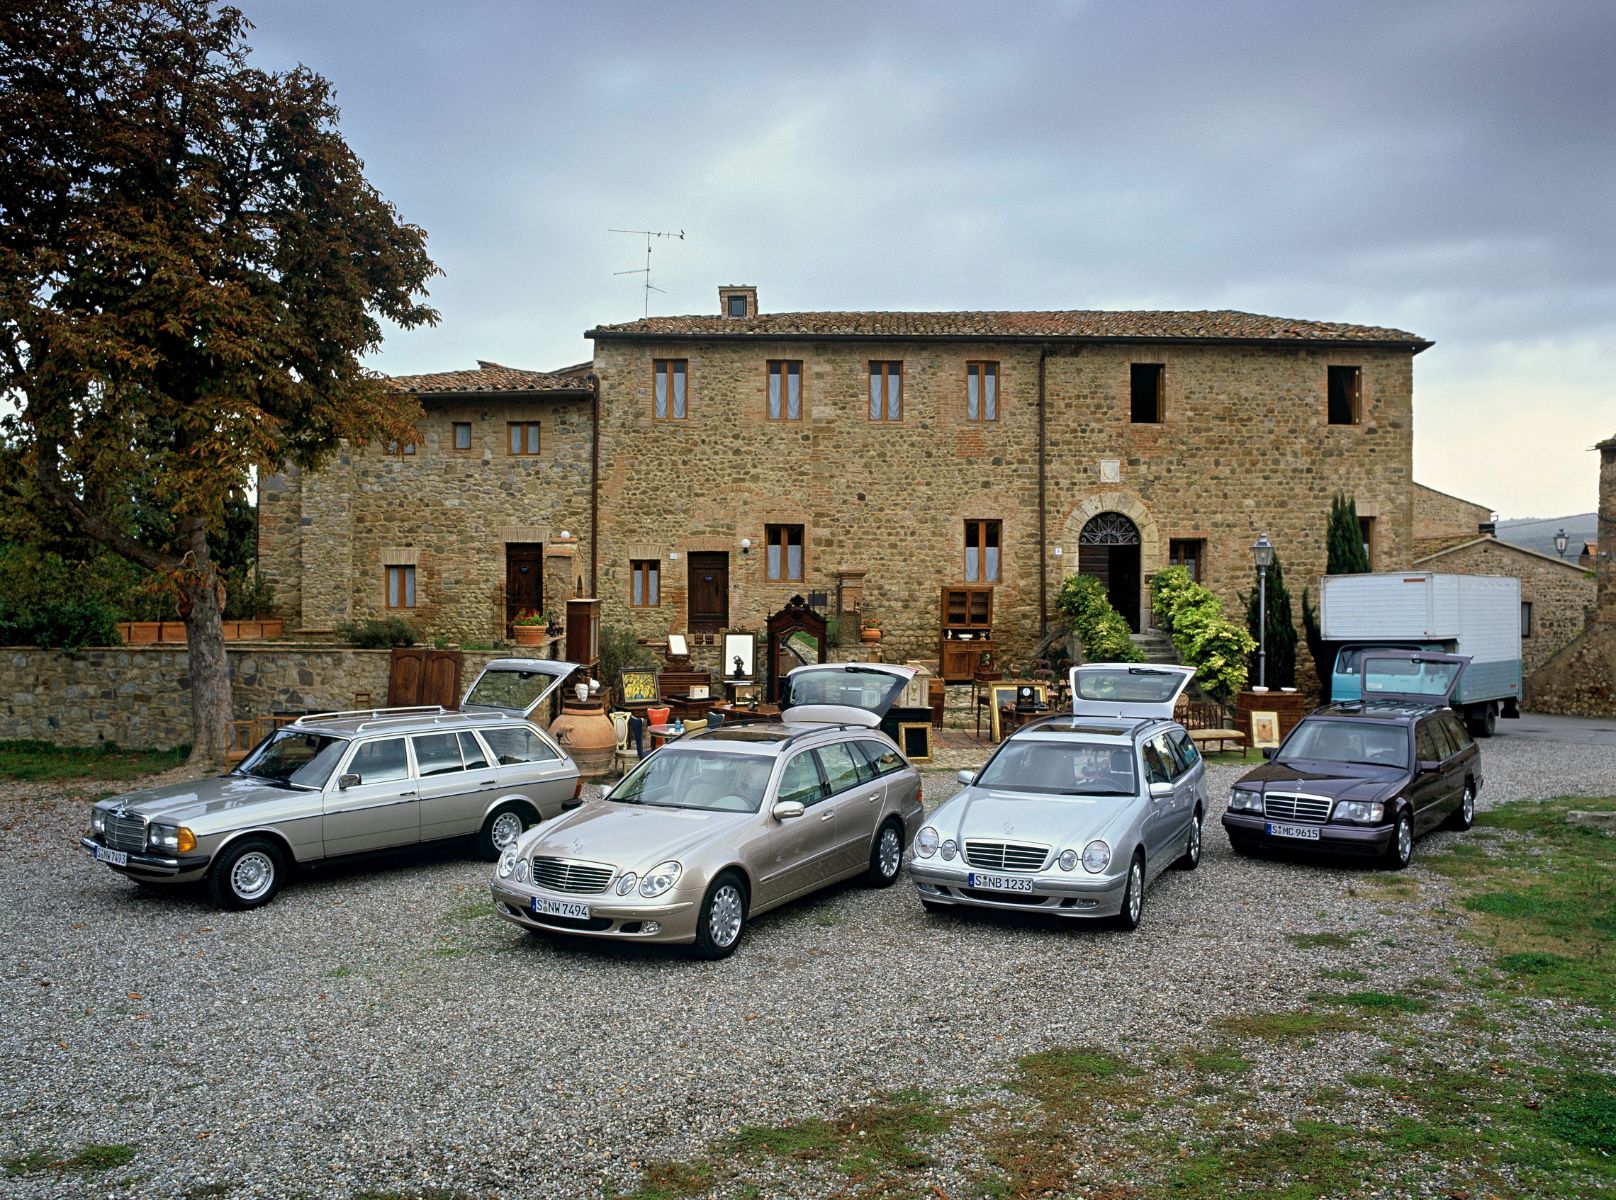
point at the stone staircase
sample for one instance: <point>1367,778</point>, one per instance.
<point>1153,644</point>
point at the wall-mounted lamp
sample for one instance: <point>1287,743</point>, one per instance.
<point>565,536</point>
<point>746,545</point>
<point>1059,552</point>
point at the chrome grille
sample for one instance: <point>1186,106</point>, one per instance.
<point>1296,806</point>
<point>125,832</point>
<point>1005,856</point>
<point>565,875</point>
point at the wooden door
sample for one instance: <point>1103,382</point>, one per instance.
<point>424,677</point>
<point>524,580</point>
<point>709,591</point>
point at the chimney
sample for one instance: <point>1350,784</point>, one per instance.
<point>738,300</point>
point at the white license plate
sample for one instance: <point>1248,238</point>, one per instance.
<point>1307,833</point>
<point>117,858</point>
<point>997,883</point>
<point>560,908</point>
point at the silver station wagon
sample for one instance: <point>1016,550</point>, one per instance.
<point>1074,815</point>
<point>715,828</point>
<point>337,784</point>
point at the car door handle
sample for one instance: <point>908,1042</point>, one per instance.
<point>406,793</point>
<point>487,782</point>
<point>828,816</point>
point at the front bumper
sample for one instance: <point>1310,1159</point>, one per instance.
<point>1366,841</point>
<point>153,868</point>
<point>610,916</point>
<point>1057,894</point>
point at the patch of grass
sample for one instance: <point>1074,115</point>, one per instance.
<point>865,1142</point>
<point>1059,1077</point>
<point>474,911</point>
<point>1373,1001</point>
<point>1313,1159</point>
<point>1345,975</point>
<point>31,759</point>
<point>671,1181</point>
<point>1310,941</point>
<point>1220,1060</point>
<point>342,972</point>
<point>1284,1025</point>
<point>90,1160</point>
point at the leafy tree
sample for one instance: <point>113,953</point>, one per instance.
<point>1343,539</point>
<point>192,264</point>
<point>1316,647</point>
<point>1281,640</point>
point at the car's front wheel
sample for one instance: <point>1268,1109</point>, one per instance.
<point>1133,897</point>
<point>1401,851</point>
<point>1191,858</point>
<point>722,918</point>
<point>502,827</point>
<point>1464,816</point>
<point>246,874</point>
<point>886,856</point>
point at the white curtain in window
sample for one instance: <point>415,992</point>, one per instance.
<point>679,389</point>
<point>774,561</point>
<point>774,394</point>
<point>894,398</point>
<point>661,394</point>
<point>794,393</point>
<point>794,561</point>
<point>971,564</point>
<point>990,394</point>
<point>652,596</point>
<point>993,563</point>
<point>971,405</point>
<point>637,591</point>
<point>875,395</point>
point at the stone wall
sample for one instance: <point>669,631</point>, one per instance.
<point>1245,448</point>
<point>1441,520</point>
<point>1561,594</point>
<point>141,696</point>
<point>328,536</point>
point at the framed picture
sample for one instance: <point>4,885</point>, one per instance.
<point>1004,695</point>
<point>738,651</point>
<point>1265,730</point>
<point>914,739</point>
<point>639,685</point>
<point>678,647</point>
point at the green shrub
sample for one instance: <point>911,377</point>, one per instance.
<point>376,633</point>
<point>1204,637</point>
<point>46,601</point>
<point>620,648</point>
<point>1101,630</point>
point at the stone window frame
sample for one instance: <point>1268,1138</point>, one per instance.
<point>1137,389</point>
<point>981,544</point>
<point>1526,619</point>
<point>523,440</point>
<point>674,402</point>
<point>777,553</point>
<point>982,371</point>
<point>454,437</point>
<point>1366,530</point>
<point>778,402</point>
<point>642,571</point>
<point>888,371</point>
<point>406,595</point>
<point>1352,397</point>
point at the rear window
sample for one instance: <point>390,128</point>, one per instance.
<point>1139,684</point>
<point>517,744</point>
<point>883,758</point>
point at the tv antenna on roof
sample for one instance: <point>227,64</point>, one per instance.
<point>646,270</point>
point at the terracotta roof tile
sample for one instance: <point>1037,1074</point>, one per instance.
<point>1087,324</point>
<point>489,377</point>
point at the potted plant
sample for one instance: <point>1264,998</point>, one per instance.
<point>871,631</point>
<point>530,627</point>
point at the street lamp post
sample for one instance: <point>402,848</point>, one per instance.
<point>1560,541</point>
<point>1262,553</point>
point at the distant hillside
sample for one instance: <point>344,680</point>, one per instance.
<point>1537,533</point>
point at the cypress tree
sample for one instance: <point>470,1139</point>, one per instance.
<point>1343,540</point>
<point>1281,631</point>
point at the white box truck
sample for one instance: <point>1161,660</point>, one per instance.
<point>1476,615</point>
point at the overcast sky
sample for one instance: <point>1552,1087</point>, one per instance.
<point>1447,168</point>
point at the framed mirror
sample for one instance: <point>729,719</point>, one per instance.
<point>739,649</point>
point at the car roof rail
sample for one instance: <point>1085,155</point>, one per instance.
<point>369,713</point>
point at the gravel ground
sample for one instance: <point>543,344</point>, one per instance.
<point>375,1029</point>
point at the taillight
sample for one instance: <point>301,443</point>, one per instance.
<point>578,787</point>
<point>920,793</point>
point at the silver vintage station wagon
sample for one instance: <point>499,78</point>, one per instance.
<point>1074,815</point>
<point>336,784</point>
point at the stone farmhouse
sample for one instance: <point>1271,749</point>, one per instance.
<point>950,469</point>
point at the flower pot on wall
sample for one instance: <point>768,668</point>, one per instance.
<point>143,632</point>
<point>530,635</point>
<point>871,635</point>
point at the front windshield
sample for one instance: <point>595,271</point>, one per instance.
<point>1062,768</point>
<point>700,779</point>
<point>1347,742</point>
<point>509,691</point>
<point>295,757</point>
<point>1139,685</point>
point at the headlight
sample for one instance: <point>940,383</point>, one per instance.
<point>949,850</point>
<point>626,884</point>
<point>1096,857</point>
<point>1362,811</point>
<point>171,837</point>
<point>926,842</point>
<point>507,861</point>
<point>98,820</point>
<point>1242,801</point>
<point>659,879</point>
<point>521,870</point>
<point>1068,860</point>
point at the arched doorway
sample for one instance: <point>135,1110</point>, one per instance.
<point>1108,549</point>
<point>796,636</point>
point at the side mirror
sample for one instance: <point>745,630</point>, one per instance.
<point>1160,791</point>
<point>1429,766</point>
<point>569,805</point>
<point>1268,752</point>
<point>786,810</point>
<point>966,777</point>
<point>348,779</point>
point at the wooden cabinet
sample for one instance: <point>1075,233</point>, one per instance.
<point>966,631</point>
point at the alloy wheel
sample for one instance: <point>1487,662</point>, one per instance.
<point>1136,891</point>
<point>890,852</point>
<point>724,918</point>
<point>506,829</point>
<point>1405,840</point>
<point>252,875</point>
<point>1468,804</point>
